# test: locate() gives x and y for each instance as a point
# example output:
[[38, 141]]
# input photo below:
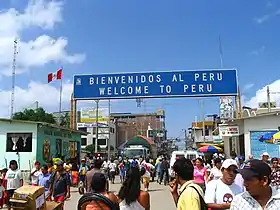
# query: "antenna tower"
[[14, 77]]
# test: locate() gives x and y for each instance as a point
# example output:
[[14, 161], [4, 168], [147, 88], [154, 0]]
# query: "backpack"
[[203, 205], [89, 197]]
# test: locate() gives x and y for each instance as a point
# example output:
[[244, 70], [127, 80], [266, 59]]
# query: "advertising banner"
[[88, 115]]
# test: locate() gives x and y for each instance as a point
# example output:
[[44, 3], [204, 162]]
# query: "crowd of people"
[[234, 183]]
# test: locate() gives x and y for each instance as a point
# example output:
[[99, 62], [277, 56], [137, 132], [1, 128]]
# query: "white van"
[[189, 154]]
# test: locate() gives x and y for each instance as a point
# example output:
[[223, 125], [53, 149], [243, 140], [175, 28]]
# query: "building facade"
[[27, 142], [151, 125], [106, 135], [247, 140]]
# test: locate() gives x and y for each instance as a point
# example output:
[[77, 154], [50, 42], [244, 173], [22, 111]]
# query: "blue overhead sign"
[[216, 82]]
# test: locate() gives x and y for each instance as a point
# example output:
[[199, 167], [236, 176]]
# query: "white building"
[[106, 134], [243, 135]]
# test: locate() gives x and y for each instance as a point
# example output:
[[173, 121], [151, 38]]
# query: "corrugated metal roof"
[[44, 124]]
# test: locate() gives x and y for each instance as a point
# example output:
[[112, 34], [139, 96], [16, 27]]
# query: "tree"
[[37, 115], [64, 120], [91, 148]]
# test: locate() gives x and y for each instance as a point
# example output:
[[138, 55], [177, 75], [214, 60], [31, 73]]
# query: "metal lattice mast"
[[13, 77]]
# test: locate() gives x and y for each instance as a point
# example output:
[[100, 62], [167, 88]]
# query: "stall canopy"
[[210, 149], [140, 140]]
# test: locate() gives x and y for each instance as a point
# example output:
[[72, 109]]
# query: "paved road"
[[160, 197]]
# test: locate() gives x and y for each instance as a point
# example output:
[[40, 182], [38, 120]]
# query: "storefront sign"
[[229, 130]]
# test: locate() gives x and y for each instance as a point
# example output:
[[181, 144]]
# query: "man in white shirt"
[[148, 167], [112, 169], [219, 193]]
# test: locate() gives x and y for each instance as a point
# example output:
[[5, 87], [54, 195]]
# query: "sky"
[[97, 36]]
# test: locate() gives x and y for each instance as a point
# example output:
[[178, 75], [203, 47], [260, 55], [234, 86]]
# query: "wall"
[[265, 123], [199, 138], [24, 158], [48, 134], [233, 142], [129, 127]]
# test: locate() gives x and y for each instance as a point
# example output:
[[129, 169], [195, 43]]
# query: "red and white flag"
[[55, 76]]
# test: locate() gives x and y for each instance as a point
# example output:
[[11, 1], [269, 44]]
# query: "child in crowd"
[[2, 190]]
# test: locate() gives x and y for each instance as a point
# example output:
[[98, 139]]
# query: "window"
[[84, 141], [83, 129], [112, 130], [19, 142], [101, 142], [58, 147]]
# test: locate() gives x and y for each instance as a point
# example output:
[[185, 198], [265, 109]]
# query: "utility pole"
[[96, 135], [203, 119], [13, 77], [109, 126]]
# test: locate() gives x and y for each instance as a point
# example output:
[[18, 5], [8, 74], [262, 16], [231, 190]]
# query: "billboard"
[[258, 147], [228, 130], [88, 115], [191, 83], [226, 107]]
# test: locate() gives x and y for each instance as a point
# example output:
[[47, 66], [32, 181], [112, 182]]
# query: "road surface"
[[159, 195]]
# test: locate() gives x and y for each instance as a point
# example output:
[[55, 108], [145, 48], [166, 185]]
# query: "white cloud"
[[267, 17], [248, 86], [258, 51], [37, 52], [40, 51], [261, 95], [46, 94]]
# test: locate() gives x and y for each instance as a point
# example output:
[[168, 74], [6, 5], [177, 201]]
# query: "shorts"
[[146, 180], [10, 194], [59, 198], [112, 174]]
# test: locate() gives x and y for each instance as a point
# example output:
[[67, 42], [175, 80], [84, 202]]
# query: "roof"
[[142, 140], [44, 124], [275, 113], [129, 114]]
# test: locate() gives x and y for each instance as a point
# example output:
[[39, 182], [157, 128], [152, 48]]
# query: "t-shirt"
[[83, 170], [112, 166], [219, 192], [149, 167], [35, 176], [198, 175], [215, 173], [13, 179]]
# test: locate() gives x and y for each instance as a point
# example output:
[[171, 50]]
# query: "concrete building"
[[106, 135], [211, 132], [243, 136], [27, 142], [151, 125]]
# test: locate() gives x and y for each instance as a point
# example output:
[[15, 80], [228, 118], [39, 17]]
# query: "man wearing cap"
[[259, 194], [219, 193], [265, 156], [59, 184]]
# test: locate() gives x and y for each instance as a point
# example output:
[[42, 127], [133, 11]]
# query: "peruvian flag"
[[55, 76]]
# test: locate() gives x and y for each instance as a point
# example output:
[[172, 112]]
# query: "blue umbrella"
[[267, 136]]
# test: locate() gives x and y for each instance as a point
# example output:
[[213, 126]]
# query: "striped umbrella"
[[211, 149]]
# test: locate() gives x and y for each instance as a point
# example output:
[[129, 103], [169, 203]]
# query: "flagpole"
[[60, 93]]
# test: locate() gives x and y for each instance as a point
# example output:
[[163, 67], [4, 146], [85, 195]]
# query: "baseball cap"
[[229, 162], [59, 163], [265, 154], [255, 168]]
